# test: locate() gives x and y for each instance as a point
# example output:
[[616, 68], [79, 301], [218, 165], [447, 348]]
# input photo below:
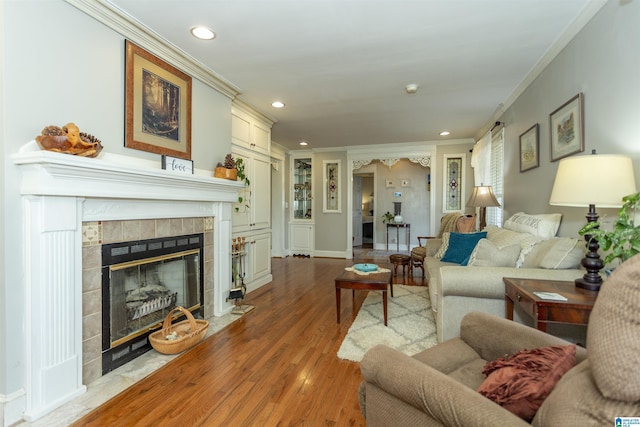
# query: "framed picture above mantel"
[[157, 105]]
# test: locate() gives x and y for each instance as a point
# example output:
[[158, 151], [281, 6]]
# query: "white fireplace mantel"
[[59, 192]]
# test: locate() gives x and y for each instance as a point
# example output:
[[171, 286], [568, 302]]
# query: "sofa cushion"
[[502, 237], [521, 382], [461, 245], [487, 254], [544, 225], [613, 334], [559, 253], [444, 246]]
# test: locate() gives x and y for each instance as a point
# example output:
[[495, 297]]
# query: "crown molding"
[[132, 29]]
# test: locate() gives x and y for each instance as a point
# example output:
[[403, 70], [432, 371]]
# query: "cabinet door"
[[261, 138], [240, 130], [302, 238], [261, 251], [260, 209]]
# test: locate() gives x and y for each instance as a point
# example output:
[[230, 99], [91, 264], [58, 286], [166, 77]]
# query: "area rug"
[[410, 329]]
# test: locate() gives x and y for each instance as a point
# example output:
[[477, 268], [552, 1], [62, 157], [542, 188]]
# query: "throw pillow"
[[557, 254], [486, 254], [444, 246], [544, 225], [521, 382], [461, 245]]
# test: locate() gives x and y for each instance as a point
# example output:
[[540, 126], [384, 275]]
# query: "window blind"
[[495, 214]]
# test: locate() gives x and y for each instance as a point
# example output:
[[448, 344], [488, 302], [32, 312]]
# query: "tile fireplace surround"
[[60, 194]]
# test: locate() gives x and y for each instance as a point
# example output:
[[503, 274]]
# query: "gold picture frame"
[[566, 125], [157, 105], [530, 149]]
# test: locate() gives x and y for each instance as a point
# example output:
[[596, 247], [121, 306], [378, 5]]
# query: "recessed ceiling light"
[[445, 133], [202, 33], [277, 104], [303, 143]]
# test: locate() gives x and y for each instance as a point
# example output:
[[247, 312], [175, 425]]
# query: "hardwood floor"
[[276, 366]]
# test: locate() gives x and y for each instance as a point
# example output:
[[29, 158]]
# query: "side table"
[[365, 282], [398, 226], [575, 310]]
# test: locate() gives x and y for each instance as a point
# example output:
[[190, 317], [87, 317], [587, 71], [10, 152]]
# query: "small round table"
[[400, 259]]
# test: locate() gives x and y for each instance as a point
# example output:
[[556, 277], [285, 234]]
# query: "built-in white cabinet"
[[251, 217], [254, 211], [249, 132], [302, 239], [257, 266], [301, 225]]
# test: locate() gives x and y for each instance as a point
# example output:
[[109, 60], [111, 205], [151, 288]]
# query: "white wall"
[[602, 62], [59, 66]]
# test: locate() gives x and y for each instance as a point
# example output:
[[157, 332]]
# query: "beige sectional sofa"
[[525, 247]]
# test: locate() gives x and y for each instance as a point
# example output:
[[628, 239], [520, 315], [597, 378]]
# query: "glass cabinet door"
[[302, 198]]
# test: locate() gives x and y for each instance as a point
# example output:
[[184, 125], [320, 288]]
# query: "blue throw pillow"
[[461, 245]]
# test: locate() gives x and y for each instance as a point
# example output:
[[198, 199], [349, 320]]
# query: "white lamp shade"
[[597, 179]]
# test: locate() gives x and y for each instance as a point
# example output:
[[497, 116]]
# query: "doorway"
[[363, 211]]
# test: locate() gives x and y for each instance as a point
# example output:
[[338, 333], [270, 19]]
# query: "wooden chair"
[[454, 221]]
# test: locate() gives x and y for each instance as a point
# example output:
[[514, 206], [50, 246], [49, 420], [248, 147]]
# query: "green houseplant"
[[623, 240], [243, 177], [387, 217]]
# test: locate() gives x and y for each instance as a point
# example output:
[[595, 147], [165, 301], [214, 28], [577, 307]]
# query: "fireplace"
[[142, 281], [65, 196]]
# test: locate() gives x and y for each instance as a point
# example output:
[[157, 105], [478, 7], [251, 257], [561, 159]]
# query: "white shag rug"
[[410, 325]]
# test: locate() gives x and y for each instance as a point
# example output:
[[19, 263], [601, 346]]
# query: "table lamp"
[[481, 197], [592, 180]]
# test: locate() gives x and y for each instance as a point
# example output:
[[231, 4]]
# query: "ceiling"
[[341, 66]]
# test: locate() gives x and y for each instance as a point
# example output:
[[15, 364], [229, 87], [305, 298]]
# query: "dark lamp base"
[[588, 285]]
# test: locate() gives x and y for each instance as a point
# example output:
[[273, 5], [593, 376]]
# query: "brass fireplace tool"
[[239, 289]]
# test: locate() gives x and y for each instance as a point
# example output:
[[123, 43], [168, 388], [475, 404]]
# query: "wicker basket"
[[188, 333]]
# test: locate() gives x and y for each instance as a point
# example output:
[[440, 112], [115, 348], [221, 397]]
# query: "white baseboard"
[[332, 254], [11, 407]]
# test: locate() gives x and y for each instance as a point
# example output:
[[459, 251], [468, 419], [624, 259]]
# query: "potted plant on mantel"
[[233, 169], [624, 239]]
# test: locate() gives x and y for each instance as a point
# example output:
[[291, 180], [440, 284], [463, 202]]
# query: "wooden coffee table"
[[367, 282], [575, 310]]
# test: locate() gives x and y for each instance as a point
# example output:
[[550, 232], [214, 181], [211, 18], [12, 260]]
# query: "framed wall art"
[[530, 149], [157, 105], [388, 183], [331, 189], [566, 126]]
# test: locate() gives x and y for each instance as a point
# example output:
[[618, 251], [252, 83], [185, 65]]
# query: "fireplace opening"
[[142, 281]]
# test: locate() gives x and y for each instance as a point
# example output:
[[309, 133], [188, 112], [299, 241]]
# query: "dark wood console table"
[[398, 226]]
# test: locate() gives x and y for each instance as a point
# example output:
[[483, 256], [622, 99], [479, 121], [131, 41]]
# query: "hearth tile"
[[92, 350], [91, 233], [208, 223], [92, 370], [131, 230], [112, 232], [188, 226], [91, 256], [91, 279], [163, 228], [177, 228], [147, 229], [208, 275], [91, 326], [91, 302]]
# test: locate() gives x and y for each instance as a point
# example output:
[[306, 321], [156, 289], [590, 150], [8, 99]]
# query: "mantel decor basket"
[[178, 337]]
